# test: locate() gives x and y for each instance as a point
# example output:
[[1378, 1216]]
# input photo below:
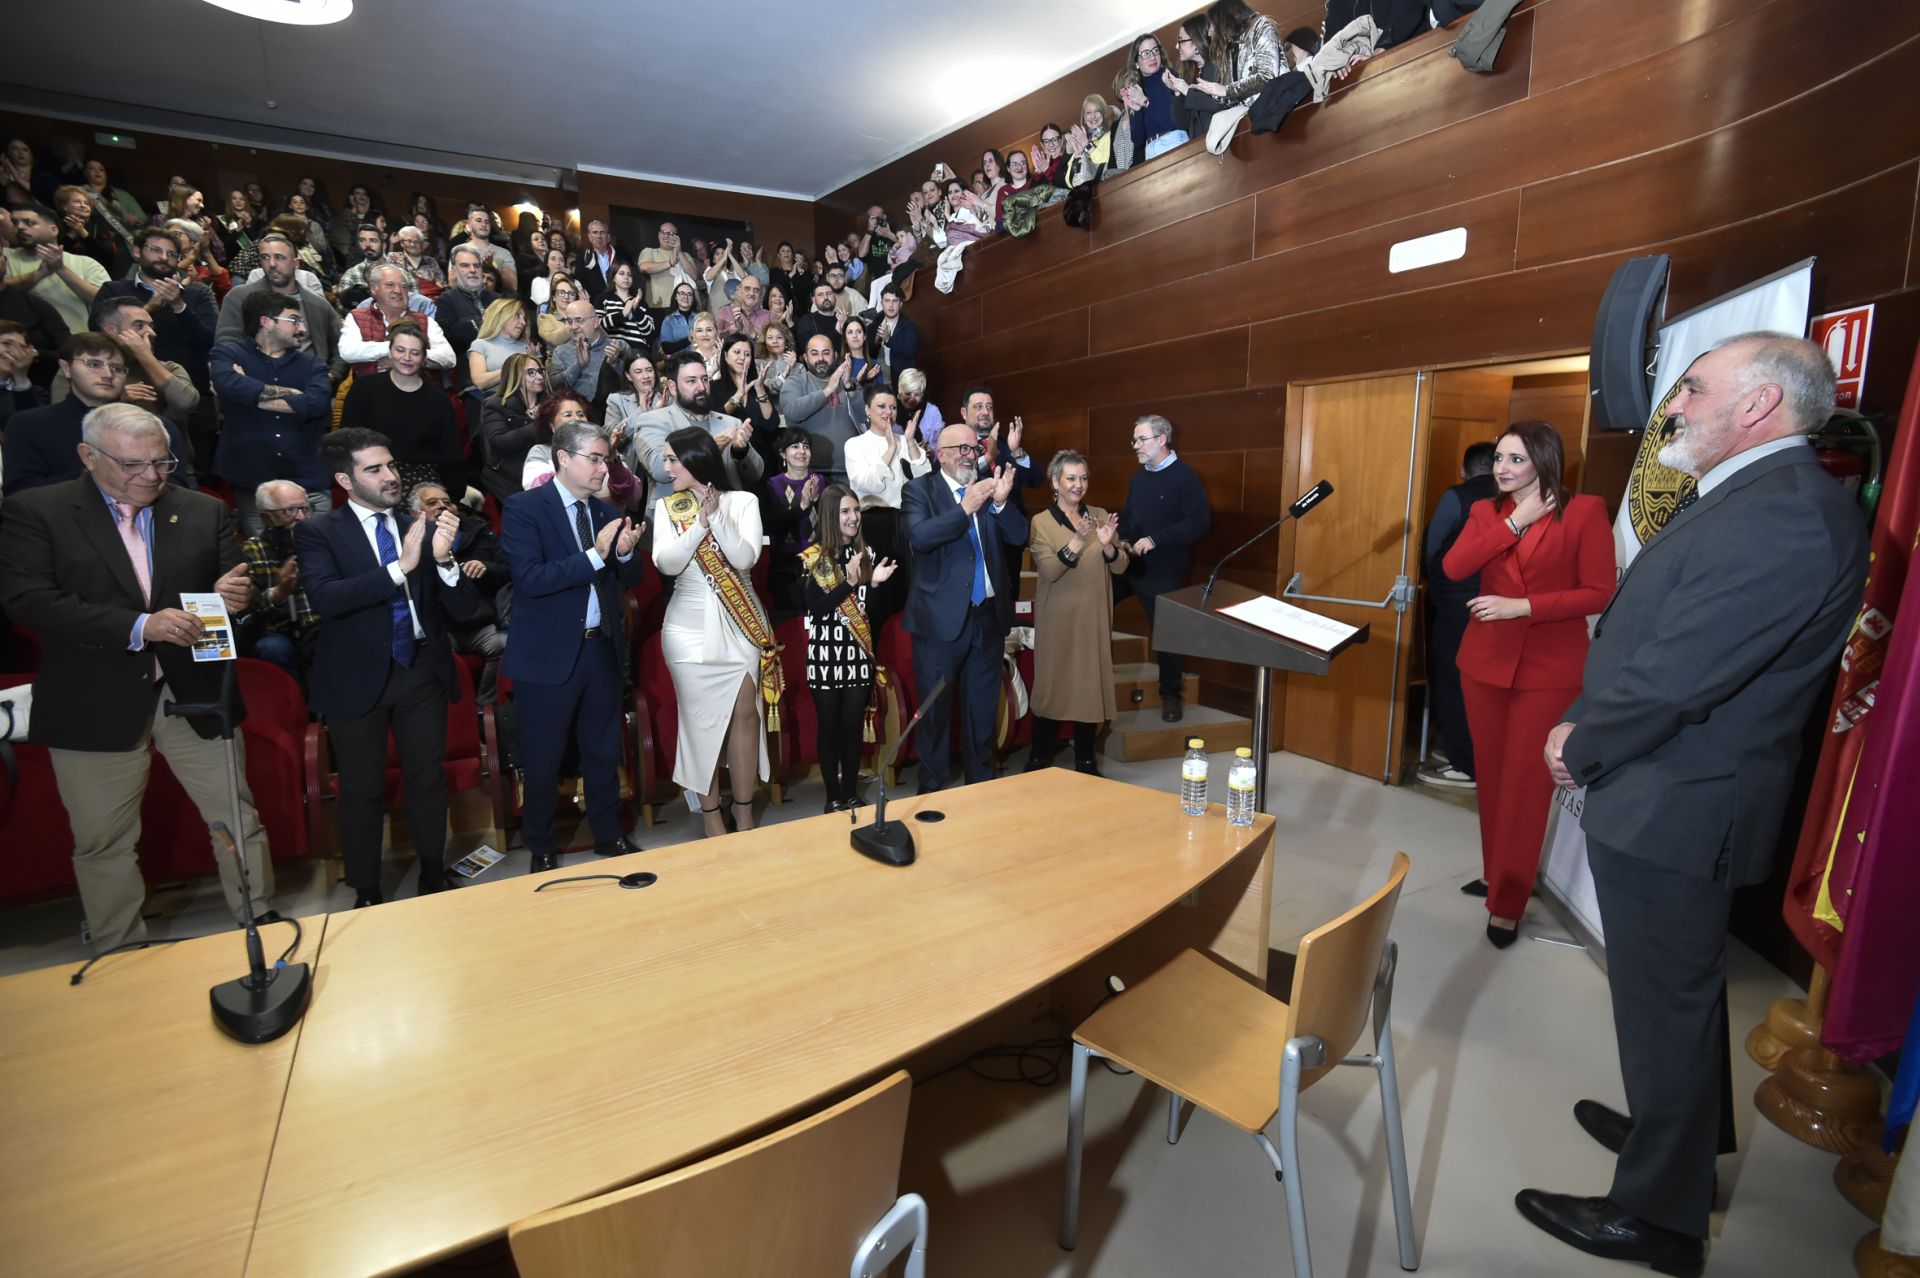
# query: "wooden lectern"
[[1189, 622]]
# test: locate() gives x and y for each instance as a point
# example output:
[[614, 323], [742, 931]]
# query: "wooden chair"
[[1209, 1037], [807, 1201]]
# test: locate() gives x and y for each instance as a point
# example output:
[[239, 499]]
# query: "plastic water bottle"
[[1240, 781], [1193, 778]]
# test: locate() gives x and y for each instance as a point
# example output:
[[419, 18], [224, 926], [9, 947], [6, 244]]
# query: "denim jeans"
[[1165, 142]]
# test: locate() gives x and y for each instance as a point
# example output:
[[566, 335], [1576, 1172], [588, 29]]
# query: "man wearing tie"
[[572, 558], [961, 528], [382, 660], [95, 565]]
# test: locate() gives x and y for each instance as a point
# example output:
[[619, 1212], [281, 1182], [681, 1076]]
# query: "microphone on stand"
[[1301, 505], [890, 842]]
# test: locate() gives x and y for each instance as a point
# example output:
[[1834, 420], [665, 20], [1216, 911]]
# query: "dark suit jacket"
[[65, 574], [1563, 567], [936, 528], [185, 338], [1706, 665], [551, 578], [353, 594], [591, 277], [43, 448]]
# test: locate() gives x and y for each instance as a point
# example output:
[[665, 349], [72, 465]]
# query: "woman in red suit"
[[1546, 564]]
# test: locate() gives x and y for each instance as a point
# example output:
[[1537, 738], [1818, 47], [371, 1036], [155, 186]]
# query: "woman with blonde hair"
[[703, 335], [503, 334], [1077, 551], [1090, 142]]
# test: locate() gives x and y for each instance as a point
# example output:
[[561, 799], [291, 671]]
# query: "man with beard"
[[35, 261], [461, 309], [184, 323], [363, 335], [825, 319], [387, 589], [373, 252], [816, 398], [42, 443], [157, 385], [480, 239], [847, 299], [279, 262], [288, 624], [1702, 672], [359, 210], [277, 402], [744, 314], [692, 406]]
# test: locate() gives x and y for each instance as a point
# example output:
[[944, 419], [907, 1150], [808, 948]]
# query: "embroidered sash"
[[826, 574], [683, 509]]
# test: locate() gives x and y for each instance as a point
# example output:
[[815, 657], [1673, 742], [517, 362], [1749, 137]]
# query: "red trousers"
[[1509, 727]]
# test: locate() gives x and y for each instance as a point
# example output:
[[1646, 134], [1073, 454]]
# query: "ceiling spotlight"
[[299, 13]]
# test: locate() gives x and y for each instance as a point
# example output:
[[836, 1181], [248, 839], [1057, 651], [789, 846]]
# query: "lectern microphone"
[[1301, 505], [891, 843]]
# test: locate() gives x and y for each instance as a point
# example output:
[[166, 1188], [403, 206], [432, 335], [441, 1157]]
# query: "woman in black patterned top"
[[836, 571]]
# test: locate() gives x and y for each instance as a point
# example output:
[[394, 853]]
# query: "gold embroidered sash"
[[826, 574], [683, 509]]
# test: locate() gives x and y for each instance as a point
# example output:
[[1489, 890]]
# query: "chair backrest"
[[463, 724], [272, 695], [1333, 977], [795, 1203]]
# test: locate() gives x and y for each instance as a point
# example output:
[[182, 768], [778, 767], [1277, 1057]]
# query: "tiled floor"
[[1494, 1047]]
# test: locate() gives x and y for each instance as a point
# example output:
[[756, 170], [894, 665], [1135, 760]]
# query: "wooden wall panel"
[[1224, 419], [1764, 58], [1205, 243], [1166, 371], [1468, 407], [1731, 174], [1350, 268], [1574, 41], [1041, 342]]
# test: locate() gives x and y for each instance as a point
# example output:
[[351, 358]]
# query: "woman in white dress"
[[716, 637]]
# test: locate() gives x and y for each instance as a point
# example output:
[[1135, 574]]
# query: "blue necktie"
[[402, 615], [979, 559]]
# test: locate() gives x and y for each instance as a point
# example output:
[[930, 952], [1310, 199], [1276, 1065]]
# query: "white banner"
[[1779, 303]]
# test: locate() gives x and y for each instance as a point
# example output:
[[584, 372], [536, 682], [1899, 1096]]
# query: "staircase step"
[[1131, 649], [1143, 678], [1141, 734]]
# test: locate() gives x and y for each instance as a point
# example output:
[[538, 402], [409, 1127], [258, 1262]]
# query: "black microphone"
[[267, 1002], [1301, 505], [891, 843]]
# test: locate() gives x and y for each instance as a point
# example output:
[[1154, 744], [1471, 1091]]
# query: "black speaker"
[[1625, 333]]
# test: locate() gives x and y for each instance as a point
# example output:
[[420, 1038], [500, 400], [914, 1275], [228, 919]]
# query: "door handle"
[[1400, 598]]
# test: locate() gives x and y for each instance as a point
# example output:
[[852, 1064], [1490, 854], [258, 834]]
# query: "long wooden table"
[[477, 1056]]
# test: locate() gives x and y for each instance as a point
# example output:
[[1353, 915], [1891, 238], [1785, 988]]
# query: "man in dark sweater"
[[1447, 618], [1165, 514]]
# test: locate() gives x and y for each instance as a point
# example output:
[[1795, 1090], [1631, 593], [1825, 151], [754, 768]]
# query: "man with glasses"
[[664, 267], [157, 385], [573, 557], [288, 625], [279, 273], [277, 401], [960, 605], [43, 443], [1165, 514], [81, 565], [184, 316], [386, 588], [578, 365]]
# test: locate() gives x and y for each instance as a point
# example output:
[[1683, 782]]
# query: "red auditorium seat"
[[656, 727]]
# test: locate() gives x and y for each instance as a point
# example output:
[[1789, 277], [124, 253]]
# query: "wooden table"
[[136, 1135], [474, 1057]]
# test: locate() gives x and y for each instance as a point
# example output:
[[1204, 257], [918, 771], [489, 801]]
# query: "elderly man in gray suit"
[[1701, 676]]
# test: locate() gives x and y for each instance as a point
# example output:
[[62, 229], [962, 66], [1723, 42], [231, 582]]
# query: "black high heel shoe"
[[1502, 937], [1474, 887]]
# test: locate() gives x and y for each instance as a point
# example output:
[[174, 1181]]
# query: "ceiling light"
[[299, 13]]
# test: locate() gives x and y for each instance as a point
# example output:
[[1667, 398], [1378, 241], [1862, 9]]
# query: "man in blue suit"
[[962, 529], [382, 660], [573, 557]]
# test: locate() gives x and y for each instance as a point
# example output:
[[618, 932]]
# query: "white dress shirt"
[[959, 490], [1727, 469], [449, 574], [874, 480]]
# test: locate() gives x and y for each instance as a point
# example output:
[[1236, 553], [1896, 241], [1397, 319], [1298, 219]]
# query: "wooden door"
[[1369, 438]]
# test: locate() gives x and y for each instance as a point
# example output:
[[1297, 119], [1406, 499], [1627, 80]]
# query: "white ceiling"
[[755, 95]]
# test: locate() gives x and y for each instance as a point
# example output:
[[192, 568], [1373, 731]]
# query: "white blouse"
[[875, 481]]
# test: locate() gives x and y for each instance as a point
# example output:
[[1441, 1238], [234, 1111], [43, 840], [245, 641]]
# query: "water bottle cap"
[[1195, 743], [1244, 752]]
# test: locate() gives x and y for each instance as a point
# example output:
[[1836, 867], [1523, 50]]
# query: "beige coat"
[[1073, 623]]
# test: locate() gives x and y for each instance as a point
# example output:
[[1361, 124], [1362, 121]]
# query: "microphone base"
[[260, 1014], [888, 842]]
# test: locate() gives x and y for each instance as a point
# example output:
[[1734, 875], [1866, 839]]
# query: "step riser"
[[1149, 690], [1170, 740]]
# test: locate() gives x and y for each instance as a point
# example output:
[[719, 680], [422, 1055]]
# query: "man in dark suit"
[[1701, 676], [42, 443], [382, 661], [960, 527], [598, 259], [899, 335], [1447, 617], [96, 565], [573, 556]]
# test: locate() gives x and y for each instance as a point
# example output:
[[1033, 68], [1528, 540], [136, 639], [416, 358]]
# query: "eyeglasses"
[[1141, 441], [1053, 140], [291, 512], [1152, 48], [964, 450], [597, 460], [165, 466], [102, 366], [289, 319]]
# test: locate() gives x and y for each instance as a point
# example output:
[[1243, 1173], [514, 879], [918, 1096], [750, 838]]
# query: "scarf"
[[683, 510]]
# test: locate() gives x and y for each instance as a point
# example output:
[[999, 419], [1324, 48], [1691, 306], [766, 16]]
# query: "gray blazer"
[[648, 447], [323, 322], [1705, 666]]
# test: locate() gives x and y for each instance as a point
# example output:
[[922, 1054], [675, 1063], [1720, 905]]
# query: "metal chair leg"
[[1290, 1069], [1396, 1153], [1076, 1140], [1173, 1118]]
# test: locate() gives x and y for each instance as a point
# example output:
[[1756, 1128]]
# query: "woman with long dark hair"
[[676, 330], [880, 461], [623, 309], [716, 636], [737, 392], [836, 572], [1545, 562]]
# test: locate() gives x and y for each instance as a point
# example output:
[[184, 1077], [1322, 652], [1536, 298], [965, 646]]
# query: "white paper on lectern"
[[1309, 629]]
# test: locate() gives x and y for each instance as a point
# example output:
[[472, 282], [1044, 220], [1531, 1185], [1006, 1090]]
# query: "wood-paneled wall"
[[1735, 137]]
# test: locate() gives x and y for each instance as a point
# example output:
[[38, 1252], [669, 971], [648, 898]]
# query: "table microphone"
[[1301, 505], [890, 842], [267, 1002]]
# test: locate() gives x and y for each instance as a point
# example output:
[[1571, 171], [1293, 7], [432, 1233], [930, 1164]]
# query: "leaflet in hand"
[[1309, 629], [216, 640]]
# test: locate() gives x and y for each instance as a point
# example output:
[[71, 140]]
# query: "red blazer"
[[1563, 567]]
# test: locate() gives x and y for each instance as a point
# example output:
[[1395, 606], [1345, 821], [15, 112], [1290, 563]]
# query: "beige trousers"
[[102, 790]]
